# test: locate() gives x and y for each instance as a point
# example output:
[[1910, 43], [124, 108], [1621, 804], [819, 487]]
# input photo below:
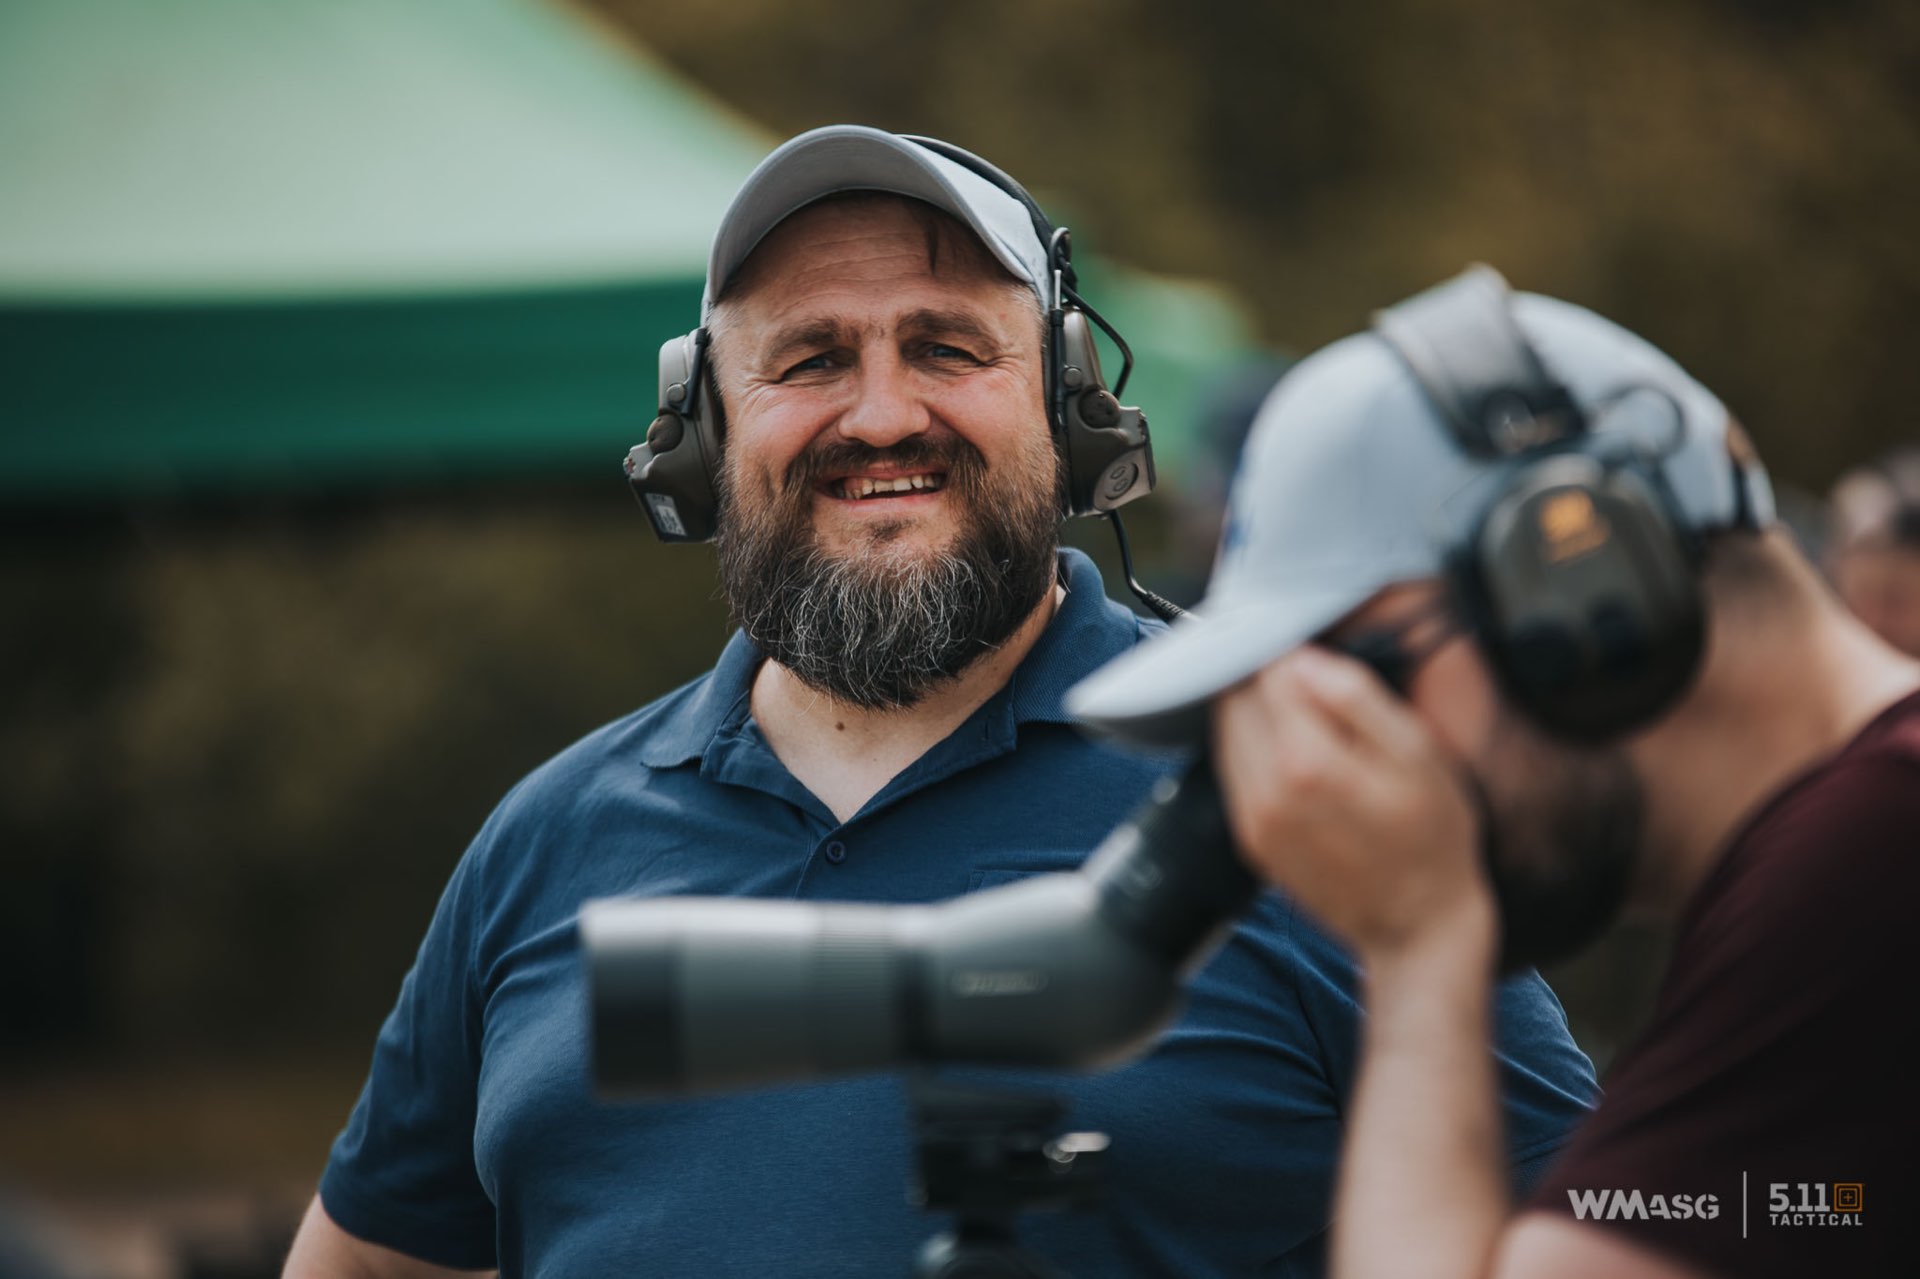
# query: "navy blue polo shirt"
[[477, 1141]]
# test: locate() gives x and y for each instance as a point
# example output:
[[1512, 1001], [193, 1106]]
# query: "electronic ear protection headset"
[[1579, 573], [1105, 445], [672, 471]]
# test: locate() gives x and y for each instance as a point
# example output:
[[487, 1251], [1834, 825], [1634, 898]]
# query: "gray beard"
[[882, 642], [882, 632]]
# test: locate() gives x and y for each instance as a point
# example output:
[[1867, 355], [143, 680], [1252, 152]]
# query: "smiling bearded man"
[[877, 624], [884, 324]]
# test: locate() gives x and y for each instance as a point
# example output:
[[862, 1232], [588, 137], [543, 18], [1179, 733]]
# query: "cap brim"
[[1157, 693], [856, 158]]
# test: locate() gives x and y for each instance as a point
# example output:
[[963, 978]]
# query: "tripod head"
[[986, 1156]]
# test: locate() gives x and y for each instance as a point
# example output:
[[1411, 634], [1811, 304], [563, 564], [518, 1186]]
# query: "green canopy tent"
[[251, 247]]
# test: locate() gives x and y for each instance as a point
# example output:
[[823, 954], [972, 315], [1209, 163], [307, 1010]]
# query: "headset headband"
[[1055, 238], [1460, 341]]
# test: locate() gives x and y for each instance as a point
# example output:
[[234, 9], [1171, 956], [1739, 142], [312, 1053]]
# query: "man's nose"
[[886, 407]]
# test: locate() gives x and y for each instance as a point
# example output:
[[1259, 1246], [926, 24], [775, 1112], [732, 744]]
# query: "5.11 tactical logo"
[[1811, 1206]]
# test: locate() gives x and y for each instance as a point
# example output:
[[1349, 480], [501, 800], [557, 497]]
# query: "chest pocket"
[[994, 876]]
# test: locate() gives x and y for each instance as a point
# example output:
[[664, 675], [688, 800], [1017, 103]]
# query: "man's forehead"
[[826, 324], [851, 233]]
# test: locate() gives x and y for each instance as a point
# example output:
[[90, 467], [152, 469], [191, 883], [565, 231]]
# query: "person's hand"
[[1338, 793]]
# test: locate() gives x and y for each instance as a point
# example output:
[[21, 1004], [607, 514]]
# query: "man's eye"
[[812, 364], [941, 351]]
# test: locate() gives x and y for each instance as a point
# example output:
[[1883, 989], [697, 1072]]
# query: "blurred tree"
[[1737, 180], [70, 648], [243, 748]]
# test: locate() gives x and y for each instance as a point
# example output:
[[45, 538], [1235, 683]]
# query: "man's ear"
[[1740, 445]]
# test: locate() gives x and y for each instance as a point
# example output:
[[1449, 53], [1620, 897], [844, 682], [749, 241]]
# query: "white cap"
[[852, 157], [1351, 481]]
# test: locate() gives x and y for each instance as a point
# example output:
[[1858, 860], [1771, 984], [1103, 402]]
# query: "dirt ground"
[[171, 1171]]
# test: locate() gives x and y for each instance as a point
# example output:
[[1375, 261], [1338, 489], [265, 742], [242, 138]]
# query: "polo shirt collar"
[[1086, 632], [714, 705]]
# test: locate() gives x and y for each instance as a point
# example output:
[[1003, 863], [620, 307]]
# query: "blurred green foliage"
[[243, 748]]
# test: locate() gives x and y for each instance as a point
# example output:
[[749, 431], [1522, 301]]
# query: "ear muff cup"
[[1583, 596], [1108, 453], [674, 471]]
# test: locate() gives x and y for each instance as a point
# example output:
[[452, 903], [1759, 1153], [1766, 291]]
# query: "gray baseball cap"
[[852, 157], [1351, 481]]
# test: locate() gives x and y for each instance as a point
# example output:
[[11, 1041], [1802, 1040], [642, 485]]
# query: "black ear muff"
[[1583, 597], [672, 471], [1578, 578], [1109, 456]]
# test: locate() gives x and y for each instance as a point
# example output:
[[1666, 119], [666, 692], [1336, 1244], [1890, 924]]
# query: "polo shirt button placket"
[[836, 851]]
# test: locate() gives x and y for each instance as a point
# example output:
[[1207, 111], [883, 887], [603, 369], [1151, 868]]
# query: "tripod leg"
[[980, 1249]]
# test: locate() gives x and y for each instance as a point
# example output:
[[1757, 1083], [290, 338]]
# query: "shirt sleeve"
[[1546, 1083], [402, 1173]]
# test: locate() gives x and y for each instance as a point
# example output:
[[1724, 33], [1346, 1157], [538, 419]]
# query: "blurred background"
[[325, 323]]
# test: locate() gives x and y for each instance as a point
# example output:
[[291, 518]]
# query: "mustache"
[[956, 456]]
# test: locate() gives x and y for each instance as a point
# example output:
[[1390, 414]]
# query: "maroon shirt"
[[1778, 1071]]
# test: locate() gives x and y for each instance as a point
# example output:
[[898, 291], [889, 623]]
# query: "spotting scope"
[[1074, 970]]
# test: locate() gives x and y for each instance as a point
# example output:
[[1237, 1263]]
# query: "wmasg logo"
[[1620, 1205]]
